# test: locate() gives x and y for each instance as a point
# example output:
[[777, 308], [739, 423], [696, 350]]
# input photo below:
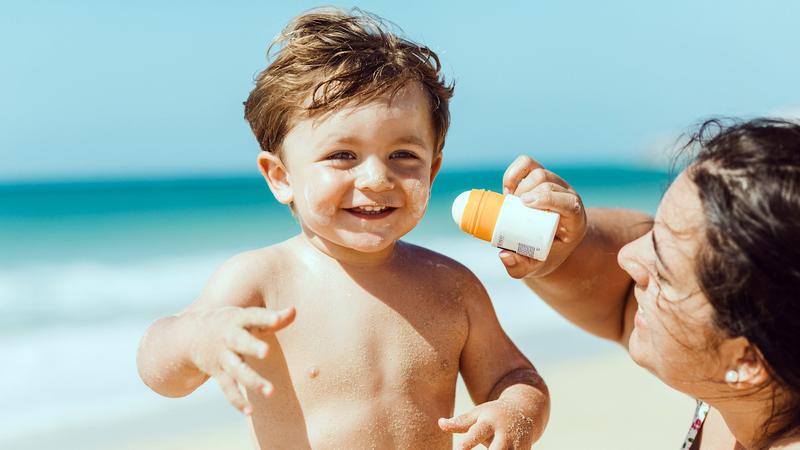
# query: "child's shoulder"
[[241, 279], [449, 278], [258, 262], [445, 270]]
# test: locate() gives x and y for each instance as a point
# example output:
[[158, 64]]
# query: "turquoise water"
[[125, 220]]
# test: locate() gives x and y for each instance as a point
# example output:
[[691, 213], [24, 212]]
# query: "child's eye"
[[403, 154], [343, 155]]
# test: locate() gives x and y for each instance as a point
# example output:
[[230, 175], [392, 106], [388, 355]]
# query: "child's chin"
[[369, 243], [373, 247]]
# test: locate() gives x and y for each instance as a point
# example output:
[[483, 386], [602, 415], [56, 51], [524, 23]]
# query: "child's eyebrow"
[[343, 139], [410, 139]]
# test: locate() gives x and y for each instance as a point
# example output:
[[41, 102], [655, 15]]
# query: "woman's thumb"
[[516, 266]]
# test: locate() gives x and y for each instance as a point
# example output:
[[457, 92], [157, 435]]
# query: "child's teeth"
[[372, 208]]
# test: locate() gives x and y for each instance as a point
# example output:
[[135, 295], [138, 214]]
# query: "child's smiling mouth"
[[371, 212]]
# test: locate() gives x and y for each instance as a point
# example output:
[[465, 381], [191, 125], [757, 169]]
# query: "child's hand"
[[222, 341], [541, 189], [496, 424]]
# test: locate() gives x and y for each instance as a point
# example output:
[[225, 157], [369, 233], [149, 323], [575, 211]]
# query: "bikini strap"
[[700, 414]]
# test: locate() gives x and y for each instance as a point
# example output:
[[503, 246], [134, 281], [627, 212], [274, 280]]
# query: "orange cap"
[[480, 213]]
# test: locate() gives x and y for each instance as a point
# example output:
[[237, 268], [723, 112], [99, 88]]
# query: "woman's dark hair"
[[748, 177]]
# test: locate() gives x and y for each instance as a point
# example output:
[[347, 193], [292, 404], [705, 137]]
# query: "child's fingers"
[[263, 318], [459, 424], [499, 441], [244, 343], [479, 432], [244, 374], [518, 266], [516, 171], [233, 394]]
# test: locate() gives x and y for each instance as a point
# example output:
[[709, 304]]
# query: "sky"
[[105, 89]]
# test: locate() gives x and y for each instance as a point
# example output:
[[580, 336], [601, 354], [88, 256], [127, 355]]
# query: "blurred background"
[[127, 175]]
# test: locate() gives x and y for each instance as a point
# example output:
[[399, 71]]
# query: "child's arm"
[[513, 403], [179, 353]]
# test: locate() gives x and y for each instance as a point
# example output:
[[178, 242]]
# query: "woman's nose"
[[373, 175], [631, 258]]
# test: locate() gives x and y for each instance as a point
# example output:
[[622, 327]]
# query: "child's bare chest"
[[365, 357], [368, 339]]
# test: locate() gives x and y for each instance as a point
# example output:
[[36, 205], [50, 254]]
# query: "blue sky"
[[130, 89]]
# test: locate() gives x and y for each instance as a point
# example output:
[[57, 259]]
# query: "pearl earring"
[[731, 376]]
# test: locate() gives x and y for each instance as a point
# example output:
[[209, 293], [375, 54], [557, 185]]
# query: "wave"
[[89, 291]]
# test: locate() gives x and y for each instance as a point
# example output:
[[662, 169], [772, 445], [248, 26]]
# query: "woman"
[[707, 295]]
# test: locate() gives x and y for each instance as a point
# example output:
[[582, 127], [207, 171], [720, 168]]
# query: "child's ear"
[[435, 166], [277, 177]]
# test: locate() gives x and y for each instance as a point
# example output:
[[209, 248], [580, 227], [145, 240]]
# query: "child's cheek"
[[418, 195], [322, 197]]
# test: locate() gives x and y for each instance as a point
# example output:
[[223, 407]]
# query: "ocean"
[[85, 266]]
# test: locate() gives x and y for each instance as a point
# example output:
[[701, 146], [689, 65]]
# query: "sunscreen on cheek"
[[506, 222]]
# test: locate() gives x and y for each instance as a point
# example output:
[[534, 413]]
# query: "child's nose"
[[373, 176]]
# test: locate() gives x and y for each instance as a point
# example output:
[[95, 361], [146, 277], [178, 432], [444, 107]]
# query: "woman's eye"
[[341, 156], [403, 154]]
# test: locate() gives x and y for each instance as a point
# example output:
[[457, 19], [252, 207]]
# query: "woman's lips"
[[639, 319]]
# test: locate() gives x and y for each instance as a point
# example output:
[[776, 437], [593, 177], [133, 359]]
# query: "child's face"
[[360, 176]]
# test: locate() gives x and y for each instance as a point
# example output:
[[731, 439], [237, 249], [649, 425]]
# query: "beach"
[[87, 266], [600, 400]]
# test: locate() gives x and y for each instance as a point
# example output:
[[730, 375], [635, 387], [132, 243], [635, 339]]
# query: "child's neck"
[[348, 256]]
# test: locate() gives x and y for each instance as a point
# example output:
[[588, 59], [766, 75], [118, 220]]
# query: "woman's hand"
[[541, 189], [223, 339]]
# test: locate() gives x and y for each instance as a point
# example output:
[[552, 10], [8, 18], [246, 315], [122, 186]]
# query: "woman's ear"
[[277, 177], [435, 166], [748, 369]]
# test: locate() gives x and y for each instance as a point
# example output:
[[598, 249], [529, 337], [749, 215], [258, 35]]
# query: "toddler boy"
[[344, 336]]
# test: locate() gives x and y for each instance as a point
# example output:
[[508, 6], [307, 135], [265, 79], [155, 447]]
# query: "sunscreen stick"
[[506, 222]]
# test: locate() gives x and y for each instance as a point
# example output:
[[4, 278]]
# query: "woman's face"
[[674, 336]]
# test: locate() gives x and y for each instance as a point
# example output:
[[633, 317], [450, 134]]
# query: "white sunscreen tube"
[[506, 222]]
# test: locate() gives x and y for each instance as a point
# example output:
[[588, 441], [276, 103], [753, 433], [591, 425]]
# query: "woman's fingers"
[[535, 176], [479, 432], [553, 198], [233, 394], [244, 343], [266, 319], [518, 266], [516, 171], [244, 374], [567, 204], [531, 181]]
